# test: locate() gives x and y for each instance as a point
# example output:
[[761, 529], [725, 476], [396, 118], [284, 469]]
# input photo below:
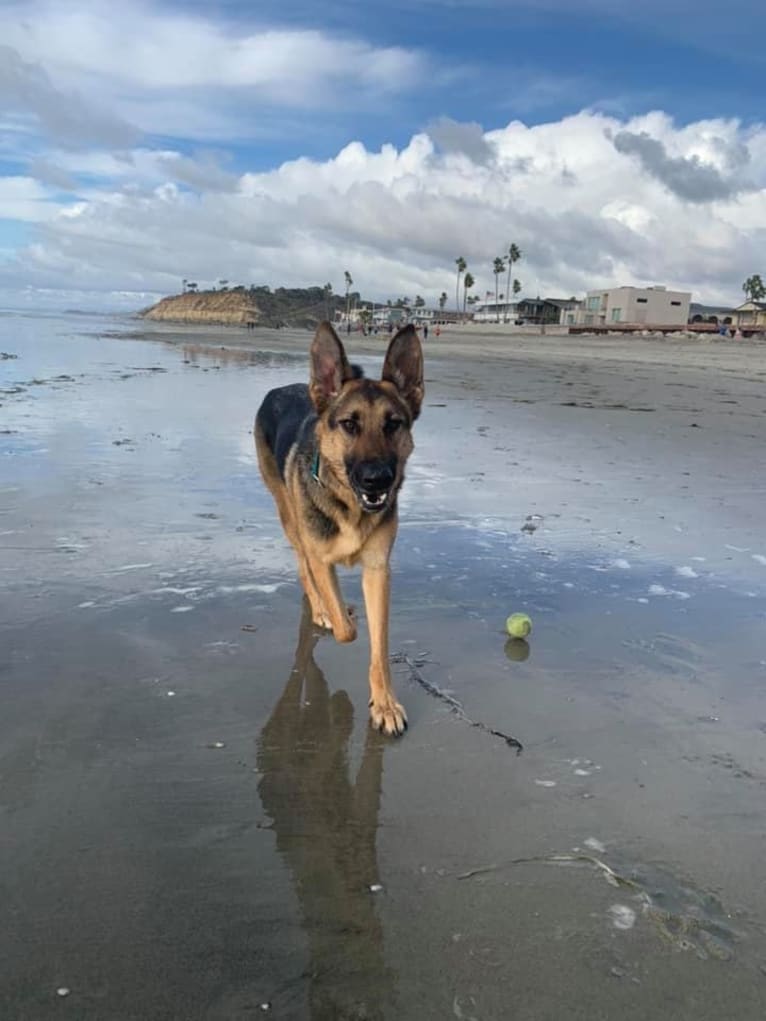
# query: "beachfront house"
[[383, 316], [545, 311], [422, 316], [568, 310], [751, 314], [491, 311], [649, 306], [533, 311]]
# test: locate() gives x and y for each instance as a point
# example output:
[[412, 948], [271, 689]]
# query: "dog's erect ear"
[[404, 367], [329, 367]]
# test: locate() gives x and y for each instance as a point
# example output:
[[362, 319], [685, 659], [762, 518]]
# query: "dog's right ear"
[[329, 367]]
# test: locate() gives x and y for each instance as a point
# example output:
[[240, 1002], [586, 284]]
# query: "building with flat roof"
[[544, 311], [491, 311], [650, 306], [538, 311]]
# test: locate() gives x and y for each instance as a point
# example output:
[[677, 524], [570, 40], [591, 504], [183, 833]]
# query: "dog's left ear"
[[404, 367], [329, 367]]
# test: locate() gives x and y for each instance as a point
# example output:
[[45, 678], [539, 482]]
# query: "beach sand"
[[195, 820]]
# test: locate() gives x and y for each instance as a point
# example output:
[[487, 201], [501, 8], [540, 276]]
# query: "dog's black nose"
[[375, 476]]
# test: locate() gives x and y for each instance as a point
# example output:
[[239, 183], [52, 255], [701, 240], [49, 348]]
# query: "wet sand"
[[195, 820]]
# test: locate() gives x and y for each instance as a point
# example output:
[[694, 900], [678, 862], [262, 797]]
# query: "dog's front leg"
[[386, 713], [341, 617]]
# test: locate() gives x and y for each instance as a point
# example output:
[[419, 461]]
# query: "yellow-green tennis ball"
[[518, 625]]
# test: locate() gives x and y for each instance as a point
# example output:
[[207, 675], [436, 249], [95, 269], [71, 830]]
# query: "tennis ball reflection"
[[517, 649]]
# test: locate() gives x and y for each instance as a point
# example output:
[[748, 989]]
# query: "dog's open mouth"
[[373, 501]]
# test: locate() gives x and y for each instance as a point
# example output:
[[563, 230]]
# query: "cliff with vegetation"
[[259, 306], [222, 308]]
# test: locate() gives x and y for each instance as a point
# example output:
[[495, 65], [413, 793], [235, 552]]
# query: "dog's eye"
[[392, 424], [350, 426]]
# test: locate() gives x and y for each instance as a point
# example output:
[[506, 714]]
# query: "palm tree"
[[327, 289], [419, 302], [754, 288], [349, 282], [498, 266], [514, 254], [468, 282], [442, 300], [461, 268]]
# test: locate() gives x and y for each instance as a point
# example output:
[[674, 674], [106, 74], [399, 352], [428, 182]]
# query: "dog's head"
[[364, 429]]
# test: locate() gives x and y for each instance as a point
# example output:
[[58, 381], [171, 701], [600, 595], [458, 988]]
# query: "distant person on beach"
[[425, 331], [438, 331]]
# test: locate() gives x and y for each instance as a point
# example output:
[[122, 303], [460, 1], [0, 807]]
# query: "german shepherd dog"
[[333, 454]]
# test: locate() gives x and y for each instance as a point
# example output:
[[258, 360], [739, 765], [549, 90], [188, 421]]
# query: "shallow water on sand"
[[195, 820]]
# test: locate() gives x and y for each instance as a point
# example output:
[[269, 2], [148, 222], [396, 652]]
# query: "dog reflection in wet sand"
[[326, 827]]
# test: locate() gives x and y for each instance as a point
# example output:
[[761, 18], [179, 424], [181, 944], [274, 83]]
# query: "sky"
[[614, 142]]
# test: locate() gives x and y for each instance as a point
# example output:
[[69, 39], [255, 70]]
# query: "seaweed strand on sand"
[[413, 666]]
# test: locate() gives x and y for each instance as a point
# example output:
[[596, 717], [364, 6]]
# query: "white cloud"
[[23, 198], [183, 75], [37, 299], [584, 214], [151, 48], [26, 90]]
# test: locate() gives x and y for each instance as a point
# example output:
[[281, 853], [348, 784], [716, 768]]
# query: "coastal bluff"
[[251, 306], [220, 308]]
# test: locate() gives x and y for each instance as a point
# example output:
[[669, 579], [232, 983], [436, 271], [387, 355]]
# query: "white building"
[[491, 311], [653, 306], [382, 315]]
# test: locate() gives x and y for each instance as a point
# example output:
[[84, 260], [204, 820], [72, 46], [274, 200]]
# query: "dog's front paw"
[[322, 619], [388, 716], [347, 630]]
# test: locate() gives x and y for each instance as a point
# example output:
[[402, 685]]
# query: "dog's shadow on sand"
[[325, 825]]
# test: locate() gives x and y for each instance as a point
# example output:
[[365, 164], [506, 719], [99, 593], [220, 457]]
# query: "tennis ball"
[[518, 625]]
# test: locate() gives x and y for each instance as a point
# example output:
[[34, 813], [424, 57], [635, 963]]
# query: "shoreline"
[[473, 343]]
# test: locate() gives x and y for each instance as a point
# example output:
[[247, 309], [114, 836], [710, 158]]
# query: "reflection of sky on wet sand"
[[141, 557], [107, 427]]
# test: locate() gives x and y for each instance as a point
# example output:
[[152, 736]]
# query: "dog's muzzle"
[[373, 482]]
